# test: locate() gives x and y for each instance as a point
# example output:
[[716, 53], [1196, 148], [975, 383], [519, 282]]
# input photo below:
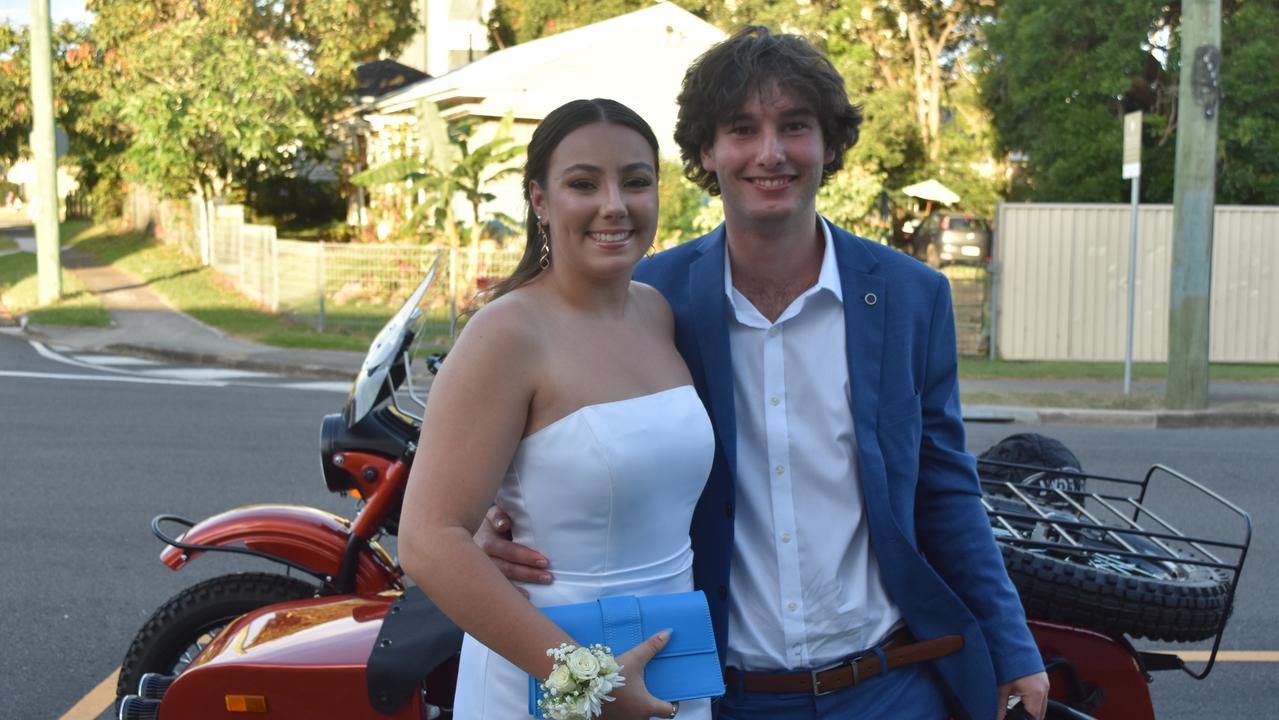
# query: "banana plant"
[[447, 165]]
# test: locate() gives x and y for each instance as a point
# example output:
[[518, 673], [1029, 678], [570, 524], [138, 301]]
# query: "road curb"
[[1217, 418], [1090, 416], [1154, 419]]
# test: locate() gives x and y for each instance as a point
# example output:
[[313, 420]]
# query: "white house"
[[638, 59]]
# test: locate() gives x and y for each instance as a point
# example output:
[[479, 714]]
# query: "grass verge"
[[204, 294], [982, 369], [7, 243], [20, 292]]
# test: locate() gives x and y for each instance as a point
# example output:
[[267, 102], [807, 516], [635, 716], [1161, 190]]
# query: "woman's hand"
[[632, 701]]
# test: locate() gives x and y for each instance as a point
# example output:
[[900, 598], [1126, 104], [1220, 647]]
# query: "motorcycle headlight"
[[335, 476]]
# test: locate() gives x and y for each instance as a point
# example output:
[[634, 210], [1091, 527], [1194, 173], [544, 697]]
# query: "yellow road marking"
[[98, 699], [1231, 656]]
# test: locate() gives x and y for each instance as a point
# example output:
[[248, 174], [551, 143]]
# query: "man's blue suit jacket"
[[928, 529]]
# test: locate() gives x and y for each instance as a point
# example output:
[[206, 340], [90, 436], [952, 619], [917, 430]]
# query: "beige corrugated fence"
[[1062, 282]]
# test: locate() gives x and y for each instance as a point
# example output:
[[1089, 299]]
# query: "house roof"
[[380, 77], [638, 58]]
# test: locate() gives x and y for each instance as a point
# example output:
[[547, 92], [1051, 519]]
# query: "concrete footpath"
[[144, 324]]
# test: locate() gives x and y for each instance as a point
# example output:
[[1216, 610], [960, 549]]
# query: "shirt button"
[[775, 401], [785, 537], [791, 607], [772, 332], [780, 469]]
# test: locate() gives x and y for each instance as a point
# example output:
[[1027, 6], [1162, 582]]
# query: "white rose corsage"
[[580, 682]]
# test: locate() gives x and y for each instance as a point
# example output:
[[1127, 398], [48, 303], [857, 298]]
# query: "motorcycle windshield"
[[376, 381]]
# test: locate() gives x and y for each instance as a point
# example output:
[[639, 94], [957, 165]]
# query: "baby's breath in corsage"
[[580, 682]]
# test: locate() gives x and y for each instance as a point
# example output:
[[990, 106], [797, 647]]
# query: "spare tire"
[[1042, 455], [1161, 599], [1189, 602]]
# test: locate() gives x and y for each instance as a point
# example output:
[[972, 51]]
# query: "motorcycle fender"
[[309, 537], [1101, 663]]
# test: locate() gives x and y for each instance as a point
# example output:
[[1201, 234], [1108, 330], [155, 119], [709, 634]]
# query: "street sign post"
[[1132, 172]]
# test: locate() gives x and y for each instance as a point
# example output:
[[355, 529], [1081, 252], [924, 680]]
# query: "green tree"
[[1058, 78], [211, 96], [447, 165], [15, 92], [202, 104], [95, 140], [326, 38], [1248, 130]]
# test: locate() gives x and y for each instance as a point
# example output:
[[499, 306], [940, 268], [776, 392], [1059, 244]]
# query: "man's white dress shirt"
[[806, 589]]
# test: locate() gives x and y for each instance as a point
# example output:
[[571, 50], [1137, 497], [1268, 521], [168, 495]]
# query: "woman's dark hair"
[[554, 128], [718, 83]]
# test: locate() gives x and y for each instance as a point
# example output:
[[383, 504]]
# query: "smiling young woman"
[[566, 402]]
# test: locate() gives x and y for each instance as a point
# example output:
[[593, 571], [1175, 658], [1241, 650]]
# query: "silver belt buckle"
[[817, 684]]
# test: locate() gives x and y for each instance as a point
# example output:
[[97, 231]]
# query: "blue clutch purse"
[[687, 668]]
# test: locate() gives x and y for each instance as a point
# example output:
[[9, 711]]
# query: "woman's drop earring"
[[543, 258]]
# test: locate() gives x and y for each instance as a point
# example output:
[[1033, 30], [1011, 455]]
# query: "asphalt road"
[[85, 464]]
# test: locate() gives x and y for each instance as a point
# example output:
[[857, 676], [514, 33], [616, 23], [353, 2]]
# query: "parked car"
[[944, 238]]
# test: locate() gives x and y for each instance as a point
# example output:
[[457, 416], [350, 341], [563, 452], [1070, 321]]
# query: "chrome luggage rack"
[[1064, 512]]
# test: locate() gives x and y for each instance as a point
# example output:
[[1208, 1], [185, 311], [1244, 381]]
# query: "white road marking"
[[48, 354], [109, 378], [188, 376], [322, 385], [201, 373]]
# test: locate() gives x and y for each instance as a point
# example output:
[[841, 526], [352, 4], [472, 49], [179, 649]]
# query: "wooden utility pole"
[[43, 151], [1194, 195]]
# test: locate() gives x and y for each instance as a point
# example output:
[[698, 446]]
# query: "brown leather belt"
[[899, 650]]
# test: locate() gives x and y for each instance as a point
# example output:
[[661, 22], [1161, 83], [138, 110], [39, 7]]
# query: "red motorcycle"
[[1093, 559], [332, 567]]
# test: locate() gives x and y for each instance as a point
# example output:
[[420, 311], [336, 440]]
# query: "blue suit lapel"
[[864, 319], [863, 325], [706, 289]]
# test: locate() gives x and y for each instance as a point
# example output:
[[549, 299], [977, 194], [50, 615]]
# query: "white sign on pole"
[[1132, 172], [1132, 145]]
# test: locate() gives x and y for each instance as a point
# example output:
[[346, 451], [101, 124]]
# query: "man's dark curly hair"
[[719, 82]]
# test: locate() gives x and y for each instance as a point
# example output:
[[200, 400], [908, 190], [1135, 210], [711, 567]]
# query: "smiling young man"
[[843, 504], [841, 529]]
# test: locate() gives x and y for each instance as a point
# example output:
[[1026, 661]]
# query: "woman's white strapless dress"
[[607, 494]]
